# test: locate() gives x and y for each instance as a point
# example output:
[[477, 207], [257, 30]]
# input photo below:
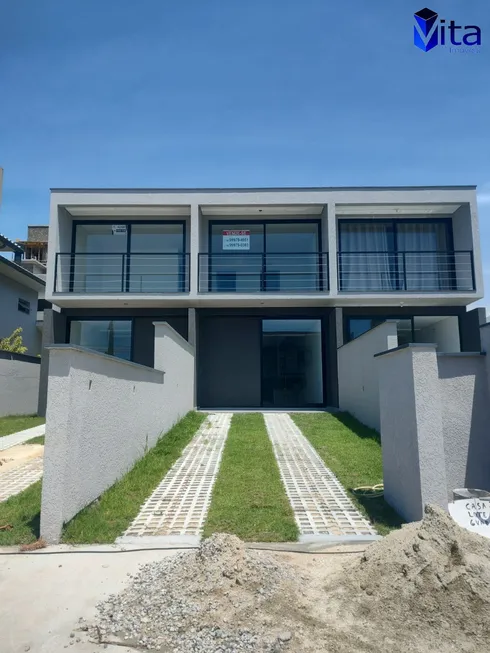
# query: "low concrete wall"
[[435, 411], [411, 430], [103, 414], [465, 416], [358, 372], [19, 384]]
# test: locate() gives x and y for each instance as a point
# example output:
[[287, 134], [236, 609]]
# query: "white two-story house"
[[265, 283]]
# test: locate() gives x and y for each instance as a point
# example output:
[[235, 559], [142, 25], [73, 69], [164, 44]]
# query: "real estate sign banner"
[[236, 239]]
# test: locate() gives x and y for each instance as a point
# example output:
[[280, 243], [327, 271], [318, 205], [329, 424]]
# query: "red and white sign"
[[236, 239]]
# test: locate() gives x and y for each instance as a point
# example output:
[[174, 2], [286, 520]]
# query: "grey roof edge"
[[15, 246], [22, 270], [254, 189]]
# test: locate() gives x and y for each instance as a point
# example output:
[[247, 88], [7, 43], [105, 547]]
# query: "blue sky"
[[228, 93]]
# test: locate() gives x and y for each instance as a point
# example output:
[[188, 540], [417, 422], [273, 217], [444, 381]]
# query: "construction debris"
[[423, 588]]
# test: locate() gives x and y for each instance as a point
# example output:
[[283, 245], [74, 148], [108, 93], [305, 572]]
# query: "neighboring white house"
[[19, 294]]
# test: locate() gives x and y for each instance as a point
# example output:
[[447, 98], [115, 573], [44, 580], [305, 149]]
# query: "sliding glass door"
[[393, 255], [137, 257], [292, 370], [268, 256]]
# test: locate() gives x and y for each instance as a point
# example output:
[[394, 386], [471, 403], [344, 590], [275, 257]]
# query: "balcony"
[[121, 273], [421, 272], [296, 273]]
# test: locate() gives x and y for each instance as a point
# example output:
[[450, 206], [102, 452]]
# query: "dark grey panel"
[[229, 362], [469, 329]]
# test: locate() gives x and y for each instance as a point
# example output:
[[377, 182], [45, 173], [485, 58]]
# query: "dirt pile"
[[427, 584], [425, 588]]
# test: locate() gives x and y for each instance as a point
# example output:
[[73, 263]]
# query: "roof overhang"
[[17, 273]]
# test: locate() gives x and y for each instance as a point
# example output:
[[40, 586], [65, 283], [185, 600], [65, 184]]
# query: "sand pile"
[[428, 584], [425, 588]]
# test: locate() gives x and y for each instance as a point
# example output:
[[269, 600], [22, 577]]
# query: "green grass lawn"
[[22, 512], [353, 452], [14, 423], [38, 440], [249, 499], [109, 516]]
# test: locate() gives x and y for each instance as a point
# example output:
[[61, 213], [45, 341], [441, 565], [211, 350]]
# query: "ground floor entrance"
[[270, 360]]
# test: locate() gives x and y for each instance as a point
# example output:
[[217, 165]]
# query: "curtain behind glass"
[[367, 257], [427, 265]]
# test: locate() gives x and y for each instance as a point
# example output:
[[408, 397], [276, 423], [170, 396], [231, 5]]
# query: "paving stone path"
[[19, 478], [320, 503], [7, 441], [180, 503]]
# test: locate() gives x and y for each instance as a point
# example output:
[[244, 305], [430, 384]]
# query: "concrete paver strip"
[[11, 440], [19, 478], [320, 503], [180, 503]]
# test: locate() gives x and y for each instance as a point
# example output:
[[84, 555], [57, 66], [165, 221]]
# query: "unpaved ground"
[[425, 588], [18, 455]]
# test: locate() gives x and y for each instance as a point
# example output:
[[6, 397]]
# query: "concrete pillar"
[[332, 249], [193, 318], [485, 348], [194, 249], [54, 331], [414, 469]]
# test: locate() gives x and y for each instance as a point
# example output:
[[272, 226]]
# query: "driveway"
[[44, 595]]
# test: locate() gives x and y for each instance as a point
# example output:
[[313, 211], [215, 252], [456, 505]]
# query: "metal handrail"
[[295, 276], [450, 271], [166, 272]]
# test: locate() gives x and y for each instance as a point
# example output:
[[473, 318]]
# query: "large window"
[[111, 337], [443, 330], [390, 255], [129, 257], [269, 256]]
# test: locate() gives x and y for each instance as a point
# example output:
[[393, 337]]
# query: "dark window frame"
[[264, 222], [101, 318], [393, 222], [323, 346], [129, 224]]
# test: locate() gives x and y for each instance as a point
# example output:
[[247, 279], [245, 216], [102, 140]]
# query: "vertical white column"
[[194, 249], [332, 248]]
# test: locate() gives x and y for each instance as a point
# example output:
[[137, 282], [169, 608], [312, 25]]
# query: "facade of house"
[[19, 293], [267, 284], [35, 249]]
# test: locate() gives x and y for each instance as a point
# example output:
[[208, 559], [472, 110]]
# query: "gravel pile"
[[424, 588], [220, 597]]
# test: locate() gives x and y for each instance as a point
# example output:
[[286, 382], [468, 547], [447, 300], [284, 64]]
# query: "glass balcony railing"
[[435, 272], [264, 272], [121, 273]]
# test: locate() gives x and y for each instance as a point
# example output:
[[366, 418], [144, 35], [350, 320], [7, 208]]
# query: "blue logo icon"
[[430, 30], [425, 34]]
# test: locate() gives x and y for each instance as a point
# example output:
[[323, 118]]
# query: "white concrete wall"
[[19, 387], [358, 372], [444, 333], [465, 417], [176, 356], [103, 414], [411, 430], [435, 411]]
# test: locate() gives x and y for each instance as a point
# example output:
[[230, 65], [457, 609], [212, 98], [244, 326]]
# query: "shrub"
[[13, 342]]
